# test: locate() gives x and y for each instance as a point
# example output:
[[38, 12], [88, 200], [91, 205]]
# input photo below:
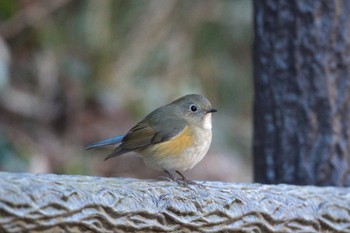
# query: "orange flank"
[[176, 145]]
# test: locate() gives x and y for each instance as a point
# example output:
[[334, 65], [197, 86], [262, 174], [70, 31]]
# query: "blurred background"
[[75, 72]]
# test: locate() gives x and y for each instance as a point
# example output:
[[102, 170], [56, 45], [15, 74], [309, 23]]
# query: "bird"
[[173, 137]]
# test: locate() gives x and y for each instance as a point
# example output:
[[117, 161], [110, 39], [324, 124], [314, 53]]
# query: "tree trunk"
[[64, 203], [302, 92]]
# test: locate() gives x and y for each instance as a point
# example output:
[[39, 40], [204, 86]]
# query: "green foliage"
[[7, 9]]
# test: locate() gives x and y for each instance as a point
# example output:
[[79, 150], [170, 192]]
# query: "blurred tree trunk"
[[302, 92]]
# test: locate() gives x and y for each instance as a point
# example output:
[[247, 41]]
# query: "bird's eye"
[[193, 108]]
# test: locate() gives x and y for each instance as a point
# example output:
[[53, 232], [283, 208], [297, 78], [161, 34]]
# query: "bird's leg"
[[185, 180], [170, 175], [170, 178]]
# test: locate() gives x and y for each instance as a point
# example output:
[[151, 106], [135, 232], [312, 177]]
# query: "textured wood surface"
[[65, 203]]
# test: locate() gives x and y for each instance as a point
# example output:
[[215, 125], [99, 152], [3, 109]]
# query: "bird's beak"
[[212, 110]]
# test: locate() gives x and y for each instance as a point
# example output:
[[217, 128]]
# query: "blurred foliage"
[[73, 72], [8, 8]]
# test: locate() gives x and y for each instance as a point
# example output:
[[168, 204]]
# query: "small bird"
[[174, 137]]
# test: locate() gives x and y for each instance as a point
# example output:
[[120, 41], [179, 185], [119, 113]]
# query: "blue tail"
[[106, 142]]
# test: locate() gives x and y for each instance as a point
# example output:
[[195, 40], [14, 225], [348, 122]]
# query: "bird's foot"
[[164, 178], [185, 181]]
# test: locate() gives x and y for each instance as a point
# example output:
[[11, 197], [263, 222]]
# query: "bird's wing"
[[148, 132]]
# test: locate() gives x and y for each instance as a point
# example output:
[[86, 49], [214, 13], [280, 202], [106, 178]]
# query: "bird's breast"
[[181, 152]]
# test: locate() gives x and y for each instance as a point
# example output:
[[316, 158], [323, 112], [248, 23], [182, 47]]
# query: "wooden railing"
[[67, 203]]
